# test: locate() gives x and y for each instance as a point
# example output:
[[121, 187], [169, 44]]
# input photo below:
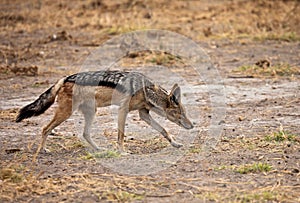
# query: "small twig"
[[4, 56], [159, 195], [190, 185], [240, 76]]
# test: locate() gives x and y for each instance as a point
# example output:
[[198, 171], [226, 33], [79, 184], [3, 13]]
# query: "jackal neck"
[[156, 96]]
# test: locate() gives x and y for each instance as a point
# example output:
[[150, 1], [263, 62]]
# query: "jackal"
[[85, 91]]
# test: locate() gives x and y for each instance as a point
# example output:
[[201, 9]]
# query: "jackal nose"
[[188, 125], [191, 126]]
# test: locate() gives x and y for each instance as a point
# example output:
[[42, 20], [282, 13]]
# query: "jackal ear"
[[175, 94]]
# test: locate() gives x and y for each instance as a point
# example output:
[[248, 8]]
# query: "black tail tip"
[[26, 112], [19, 119], [22, 114]]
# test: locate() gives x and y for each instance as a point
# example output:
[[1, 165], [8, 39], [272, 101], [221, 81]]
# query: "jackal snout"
[[175, 111], [179, 118]]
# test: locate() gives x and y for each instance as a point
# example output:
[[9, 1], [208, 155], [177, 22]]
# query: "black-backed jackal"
[[86, 91]]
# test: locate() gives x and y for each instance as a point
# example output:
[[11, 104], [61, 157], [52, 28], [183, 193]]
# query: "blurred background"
[[58, 33]]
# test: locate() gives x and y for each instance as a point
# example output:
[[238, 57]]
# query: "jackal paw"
[[96, 148], [123, 151], [176, 144]]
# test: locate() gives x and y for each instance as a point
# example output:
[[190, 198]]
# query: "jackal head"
[[175, 111]]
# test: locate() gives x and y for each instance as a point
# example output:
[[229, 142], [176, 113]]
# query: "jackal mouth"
[[185, 123]]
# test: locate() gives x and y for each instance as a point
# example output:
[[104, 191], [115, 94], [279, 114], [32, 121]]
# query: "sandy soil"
[[257, 155]]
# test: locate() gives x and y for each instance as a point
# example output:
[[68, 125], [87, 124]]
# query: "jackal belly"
[[98, 96]]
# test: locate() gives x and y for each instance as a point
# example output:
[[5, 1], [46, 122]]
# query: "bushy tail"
[[40, 105]]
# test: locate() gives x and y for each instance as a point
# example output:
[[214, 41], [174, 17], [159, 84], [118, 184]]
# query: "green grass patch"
[[195, 150], [120, 196], [101, 155], [87, 156], [254, 168], [258, 197], [281, 136], [107, 154], [123, 196], [76, 145], [13, 175], [243, 197]]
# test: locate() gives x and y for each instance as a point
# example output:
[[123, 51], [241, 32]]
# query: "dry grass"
[[237, 18], [112, 187], [262, 194], [52, 23], [277, 70], [21, 179]]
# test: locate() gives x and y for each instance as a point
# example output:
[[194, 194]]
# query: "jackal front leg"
[[144, 115], [122, 114]]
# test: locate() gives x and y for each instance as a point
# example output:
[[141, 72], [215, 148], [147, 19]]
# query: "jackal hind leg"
[[62, 113], [145, 116], [89, 110]]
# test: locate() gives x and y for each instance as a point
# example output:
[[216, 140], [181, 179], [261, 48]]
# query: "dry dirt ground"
[[257, 156]]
